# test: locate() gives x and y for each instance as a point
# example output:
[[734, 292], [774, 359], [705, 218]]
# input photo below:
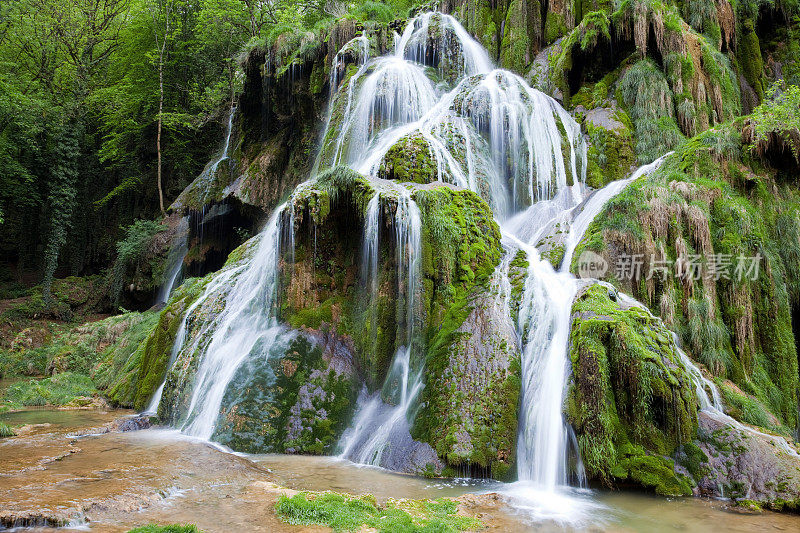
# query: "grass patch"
[[343, 512], [6, 431], [57, 390]]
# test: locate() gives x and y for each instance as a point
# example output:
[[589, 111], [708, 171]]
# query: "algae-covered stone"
[[297, 399], [630, 400], [410, 159]]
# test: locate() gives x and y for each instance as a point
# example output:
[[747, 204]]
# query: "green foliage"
[[131, 251], [172, 528], [342, 512], [649, 99], [56, 390], [779, 116], [713, 198], [6, 431]]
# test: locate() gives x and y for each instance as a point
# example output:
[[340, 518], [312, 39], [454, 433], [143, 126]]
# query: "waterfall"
[[544, 324], [487, 130], [177, 253], [380, 432], [246, 325], [225, 147]]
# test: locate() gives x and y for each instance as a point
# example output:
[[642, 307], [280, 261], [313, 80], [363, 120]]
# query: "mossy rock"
[[711, 199], [630, 400], [157, 348], [409, 160]]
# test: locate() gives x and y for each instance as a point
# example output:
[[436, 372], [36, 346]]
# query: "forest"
[[536, 261]]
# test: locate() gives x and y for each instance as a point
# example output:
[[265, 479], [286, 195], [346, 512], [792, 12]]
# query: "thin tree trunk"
[[158, 135]]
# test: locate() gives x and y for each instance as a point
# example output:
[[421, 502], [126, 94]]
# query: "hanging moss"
[[521, 35], [749, 55], [710, 200], [630, 400]]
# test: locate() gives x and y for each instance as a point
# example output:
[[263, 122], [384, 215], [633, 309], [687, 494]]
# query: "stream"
[[61, 467]]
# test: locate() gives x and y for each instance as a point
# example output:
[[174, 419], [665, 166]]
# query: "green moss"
[[610, 154], [555, 27], [651, 471], [289, 401], [630, 400], [56, 390], [152, 356], [461, 248], [520, 33], [409, 160], [108, 351], [343, 512], [712, 198]]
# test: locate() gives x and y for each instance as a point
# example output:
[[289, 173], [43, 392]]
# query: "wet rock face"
[[478, 389], [745, 466], [295, 401]]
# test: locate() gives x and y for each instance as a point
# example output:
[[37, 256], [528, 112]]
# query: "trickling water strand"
[[369, 265], [218, 283], [177, 254], [708, 396], [380, 432], [339, 66]]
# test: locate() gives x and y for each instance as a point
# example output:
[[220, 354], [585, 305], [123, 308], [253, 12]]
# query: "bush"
[[131, 251], [5, 431]]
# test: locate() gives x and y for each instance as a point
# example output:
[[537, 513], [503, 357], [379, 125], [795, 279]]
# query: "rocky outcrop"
[[474, 395], [630, 399], [744, 465]]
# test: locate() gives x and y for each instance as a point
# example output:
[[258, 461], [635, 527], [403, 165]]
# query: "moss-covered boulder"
[[630, 399], [157, 348], [409, 160], [296, 400], [611, 149]]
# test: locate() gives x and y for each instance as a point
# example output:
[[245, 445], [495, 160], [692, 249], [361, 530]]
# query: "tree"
[[161, 11]]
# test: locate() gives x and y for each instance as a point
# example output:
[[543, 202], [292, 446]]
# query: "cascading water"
[[380, 433], [491, 133], [544, 323], [177, 253], [246, 324], [488, 131]]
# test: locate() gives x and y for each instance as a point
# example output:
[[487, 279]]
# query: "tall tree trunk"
[[158, 135]]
